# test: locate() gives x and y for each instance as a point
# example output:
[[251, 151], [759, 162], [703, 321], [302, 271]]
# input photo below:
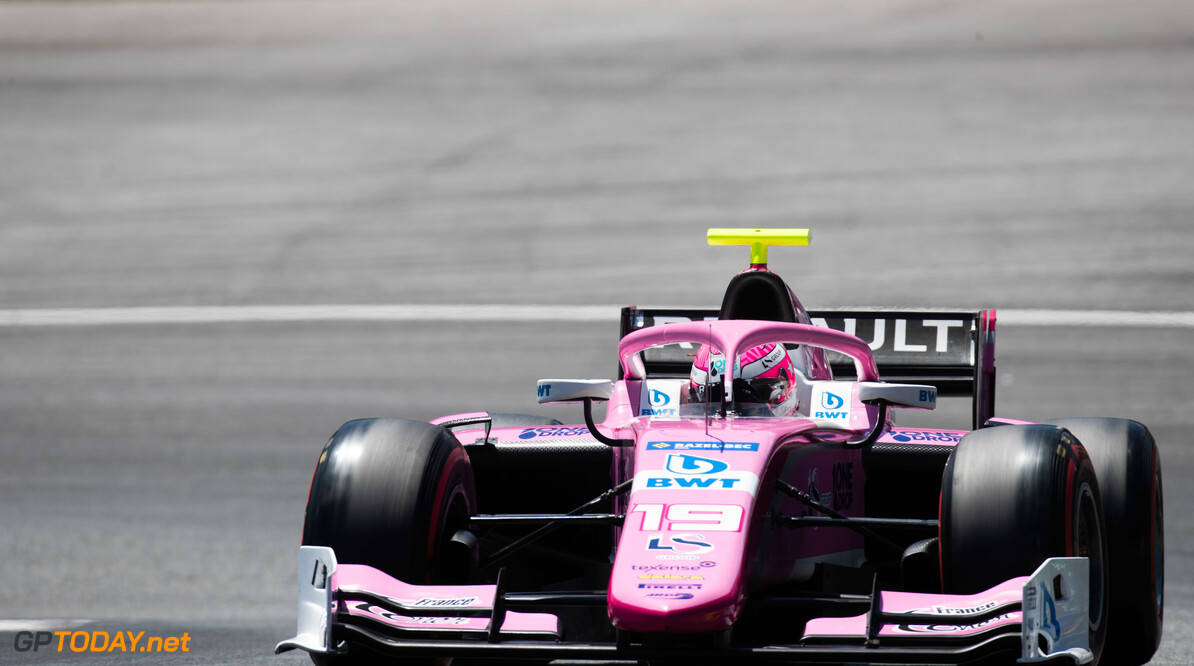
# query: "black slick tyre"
[[1125, 457], [393, 494], [1013, 496]]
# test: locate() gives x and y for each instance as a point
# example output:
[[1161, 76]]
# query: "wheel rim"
[[1088, 538], [444, 568]]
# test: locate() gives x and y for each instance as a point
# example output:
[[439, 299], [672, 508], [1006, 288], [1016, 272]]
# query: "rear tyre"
[[392, 494], [1013, 496], [1126, 460]]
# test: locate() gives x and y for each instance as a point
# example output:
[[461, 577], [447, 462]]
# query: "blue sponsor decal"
[[832, 400], [558, 431], [679, 463], [682, 471], [703, 446], [925, 436], [660, 402], [1049, 617], [685, 544], [687, 482], [670, 595], [831, 407]]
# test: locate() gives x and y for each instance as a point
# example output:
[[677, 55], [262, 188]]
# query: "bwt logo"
[[682, 464], [545, 390], [688, 482], [832, 400], [661, 403], [689, 470], [831, 404], [695, 473]]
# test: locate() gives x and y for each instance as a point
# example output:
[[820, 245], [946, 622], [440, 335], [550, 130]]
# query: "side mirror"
[[581, 390], [913, 396], [574, 390]]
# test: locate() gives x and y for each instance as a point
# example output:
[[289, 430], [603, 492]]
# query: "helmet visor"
[[748, 393]]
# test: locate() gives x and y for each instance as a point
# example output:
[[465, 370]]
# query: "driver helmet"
[[764, 375]]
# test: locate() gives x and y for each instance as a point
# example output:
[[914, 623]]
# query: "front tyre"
[[1126, 460], [1014, 496], [395, 495]]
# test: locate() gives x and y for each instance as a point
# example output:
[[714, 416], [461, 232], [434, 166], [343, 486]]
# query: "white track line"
[[1095, 318], [40, 625], [489, 313], [297, 313]]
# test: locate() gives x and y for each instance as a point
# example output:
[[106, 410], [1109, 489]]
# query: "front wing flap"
[[1042, 618], [362, 596]]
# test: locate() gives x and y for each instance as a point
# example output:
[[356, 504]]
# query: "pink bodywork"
[[684, 560], [734, 337], [1008, 594], [696, 540], [475, 600]]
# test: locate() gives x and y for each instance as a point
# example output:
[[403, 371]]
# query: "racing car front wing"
[[1042, 618]]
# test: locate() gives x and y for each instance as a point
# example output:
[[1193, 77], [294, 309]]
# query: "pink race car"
[[747, 497]]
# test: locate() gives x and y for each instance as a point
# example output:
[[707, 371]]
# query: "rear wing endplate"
[[953, 351]]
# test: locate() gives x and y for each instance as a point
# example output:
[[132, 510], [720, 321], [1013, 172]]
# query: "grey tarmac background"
[[1017, 155]]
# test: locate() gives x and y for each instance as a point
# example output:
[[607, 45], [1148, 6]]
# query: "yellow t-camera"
[[759, 240]]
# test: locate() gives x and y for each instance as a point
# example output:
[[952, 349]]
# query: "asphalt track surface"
[[1018, 155]]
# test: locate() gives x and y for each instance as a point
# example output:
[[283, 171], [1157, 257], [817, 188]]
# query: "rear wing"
[[953, 351]]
